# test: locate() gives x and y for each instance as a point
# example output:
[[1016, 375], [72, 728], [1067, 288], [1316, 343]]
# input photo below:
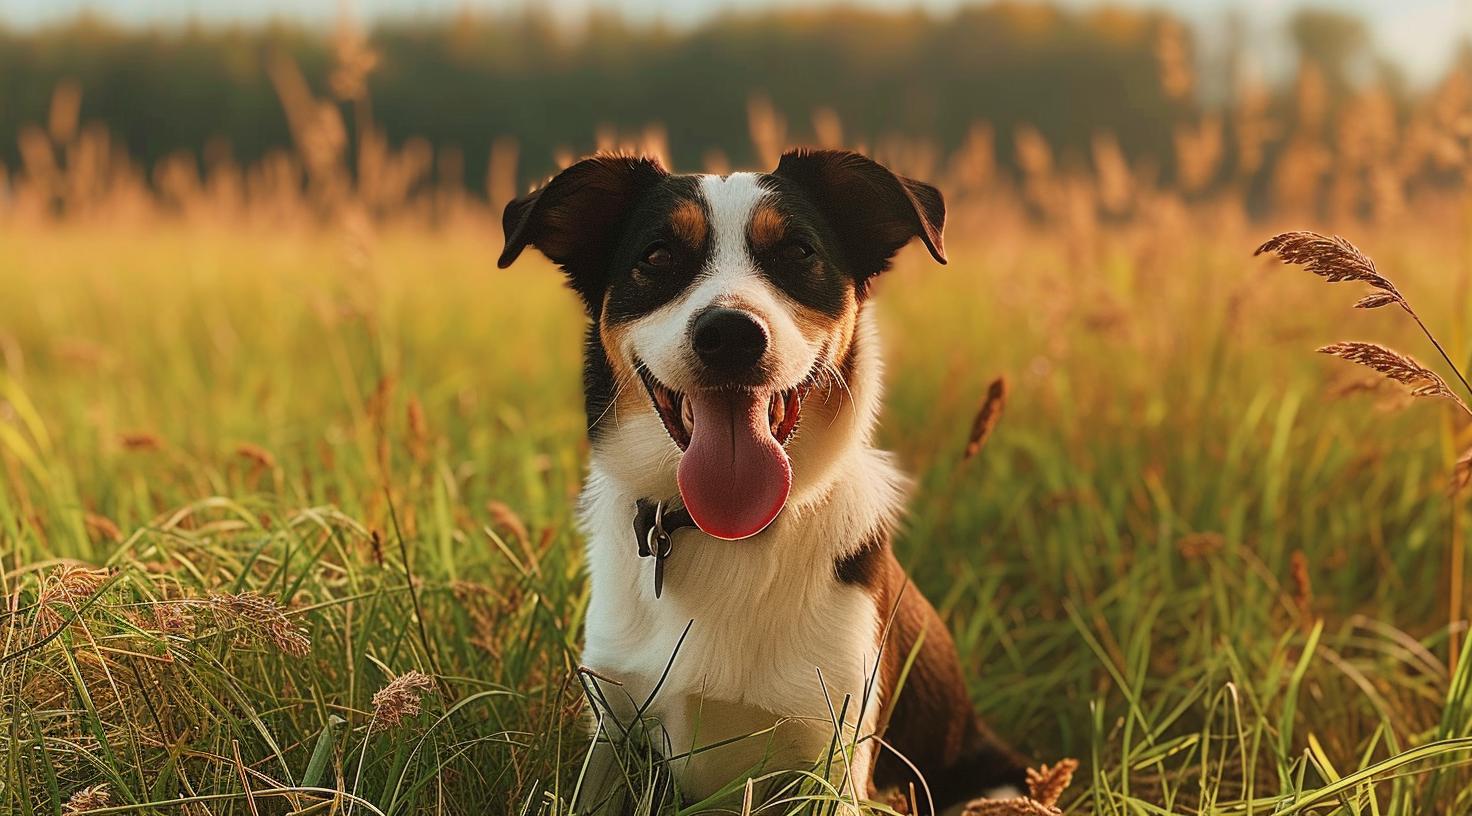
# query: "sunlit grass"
[[384, 433]]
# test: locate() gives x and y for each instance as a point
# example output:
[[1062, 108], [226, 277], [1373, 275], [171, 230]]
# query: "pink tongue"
[[734, 477]]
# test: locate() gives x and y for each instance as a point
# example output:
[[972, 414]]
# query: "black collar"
[[654, 522]]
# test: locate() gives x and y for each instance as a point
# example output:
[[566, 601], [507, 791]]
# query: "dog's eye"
[[796, 251], [658, 256]]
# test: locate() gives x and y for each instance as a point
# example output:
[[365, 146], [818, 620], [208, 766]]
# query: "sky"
[[1419, 35]]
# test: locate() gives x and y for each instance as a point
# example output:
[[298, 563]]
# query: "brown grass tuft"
[[1303, 587], [987, 417], [103, 526], [507, 519], [1018, 806], [96, 797], [72, 584], [1196, 546], [262, 619], [141, 441], [1046, 784], [69, 587], [401, 698], [256, 455], [172, 618], [418, 430]]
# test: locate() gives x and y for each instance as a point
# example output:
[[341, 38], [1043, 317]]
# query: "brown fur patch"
[[689, 224], [836, 334], [768, 227], [813, 324], [631, 394], [931, 722]]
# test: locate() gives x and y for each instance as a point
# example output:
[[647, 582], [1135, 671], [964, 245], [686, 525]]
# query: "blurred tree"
[[463, 83], [1337, 43]]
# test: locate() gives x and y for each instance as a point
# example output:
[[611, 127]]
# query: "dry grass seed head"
[[1303, 588], [1195, 546], [1334, 259], [263, 619], [401, 698], [507, 519], [418, 429], [172, 618], [103, 526], [140, 440], [71, 584], [1402, 368], [93, 798], [1046, 784], [256, 455], [1018, 806], [987, 417]]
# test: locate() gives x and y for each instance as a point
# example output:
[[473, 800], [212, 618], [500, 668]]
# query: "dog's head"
[[725, 310]]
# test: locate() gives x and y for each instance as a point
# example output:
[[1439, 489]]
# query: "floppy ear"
[[873, 210], [574, 218]]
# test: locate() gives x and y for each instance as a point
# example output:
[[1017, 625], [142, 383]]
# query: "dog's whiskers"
[[833, 375], [623, 382]]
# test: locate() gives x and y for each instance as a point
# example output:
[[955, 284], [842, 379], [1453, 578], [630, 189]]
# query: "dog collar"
[[654, 522]]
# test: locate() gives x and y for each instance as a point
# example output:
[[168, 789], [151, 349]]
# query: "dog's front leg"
[[602, 786]]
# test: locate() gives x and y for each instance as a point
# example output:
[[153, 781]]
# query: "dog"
[[737, 513]]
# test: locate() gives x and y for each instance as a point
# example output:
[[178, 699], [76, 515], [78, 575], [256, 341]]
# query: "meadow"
[[288, 474]]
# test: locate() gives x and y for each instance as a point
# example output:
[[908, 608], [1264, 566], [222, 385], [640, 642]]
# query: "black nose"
[[729, 341]]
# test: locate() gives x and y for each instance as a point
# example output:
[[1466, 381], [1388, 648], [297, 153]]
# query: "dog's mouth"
[[734, 473], [677, 412]]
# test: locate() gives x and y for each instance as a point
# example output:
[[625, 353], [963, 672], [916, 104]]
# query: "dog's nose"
[[728, 341]]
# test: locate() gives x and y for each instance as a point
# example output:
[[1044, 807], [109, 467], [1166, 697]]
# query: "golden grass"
[[280, 452]]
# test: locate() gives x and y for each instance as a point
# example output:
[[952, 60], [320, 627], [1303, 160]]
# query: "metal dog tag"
[[660, 544]]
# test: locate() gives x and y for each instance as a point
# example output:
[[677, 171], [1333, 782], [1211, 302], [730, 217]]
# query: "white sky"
[[1420, 35]]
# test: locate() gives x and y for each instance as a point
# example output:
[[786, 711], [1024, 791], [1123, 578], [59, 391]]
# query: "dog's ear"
[[574, 218], [873, 210]]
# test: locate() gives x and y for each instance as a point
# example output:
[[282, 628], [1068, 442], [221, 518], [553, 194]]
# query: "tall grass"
[[288, 471]]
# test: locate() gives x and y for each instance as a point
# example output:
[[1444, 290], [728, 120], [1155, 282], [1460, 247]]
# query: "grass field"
[[1182, 558]]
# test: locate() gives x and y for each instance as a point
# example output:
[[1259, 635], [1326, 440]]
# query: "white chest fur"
[[766, 618]]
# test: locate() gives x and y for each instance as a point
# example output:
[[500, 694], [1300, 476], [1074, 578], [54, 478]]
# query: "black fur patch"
[[599, 386], [821, 281], [872, 211], [635, 289], [864, 566]]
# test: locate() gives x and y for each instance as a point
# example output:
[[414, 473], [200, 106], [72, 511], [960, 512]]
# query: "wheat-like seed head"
[[401, 698], [1334, 259], [987, 417], [1404, 369]]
